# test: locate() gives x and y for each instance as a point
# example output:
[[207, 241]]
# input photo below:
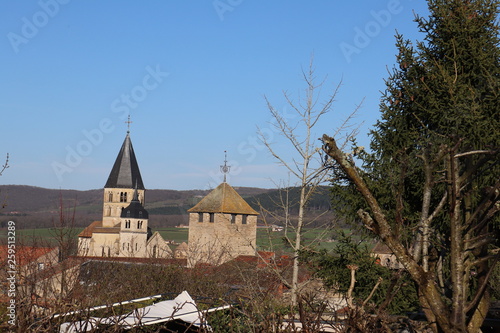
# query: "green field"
[[177, 235], [39, 237], [266, 239]]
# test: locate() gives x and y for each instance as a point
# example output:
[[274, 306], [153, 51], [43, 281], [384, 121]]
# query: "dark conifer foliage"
[[434, 162]]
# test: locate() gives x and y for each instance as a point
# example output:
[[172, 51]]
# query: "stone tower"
[[123, 231], [123, 180], [222, 226], [134, 229]]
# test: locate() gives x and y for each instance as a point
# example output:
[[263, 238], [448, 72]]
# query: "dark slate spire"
[[125, 172], [135, 209]]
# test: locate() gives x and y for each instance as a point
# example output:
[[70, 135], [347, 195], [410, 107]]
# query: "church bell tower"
[[123, 180]]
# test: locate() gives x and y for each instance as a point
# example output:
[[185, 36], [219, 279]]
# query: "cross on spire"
[[225, 168], [128, 122]]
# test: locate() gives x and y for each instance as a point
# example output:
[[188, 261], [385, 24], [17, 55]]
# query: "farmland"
[[267, 240]]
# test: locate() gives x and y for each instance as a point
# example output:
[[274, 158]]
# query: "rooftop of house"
[[87, 232], [381, 248], [223, 199], [26, 254]]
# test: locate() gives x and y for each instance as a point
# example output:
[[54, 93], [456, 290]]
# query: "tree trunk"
[[298, 239], [382, 228], [456, 250]]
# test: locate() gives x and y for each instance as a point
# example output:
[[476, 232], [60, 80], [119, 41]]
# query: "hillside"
[[34, 207]]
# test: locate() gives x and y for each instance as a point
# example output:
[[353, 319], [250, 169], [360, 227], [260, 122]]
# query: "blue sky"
[[192, 75]]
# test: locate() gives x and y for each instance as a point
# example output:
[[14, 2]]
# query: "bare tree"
[[2, 169], [304, 165]]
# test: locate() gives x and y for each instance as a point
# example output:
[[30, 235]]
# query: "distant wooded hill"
[[36, 207]]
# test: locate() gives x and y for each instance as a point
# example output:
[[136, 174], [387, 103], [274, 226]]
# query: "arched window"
[[127, 224], [110, 196], [123, 196], [154, 251], [139, 224]]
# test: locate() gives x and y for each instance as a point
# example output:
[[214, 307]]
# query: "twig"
[[6, 165]]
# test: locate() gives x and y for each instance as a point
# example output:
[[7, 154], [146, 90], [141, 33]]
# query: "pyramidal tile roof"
[[125, 172], [223, 199]]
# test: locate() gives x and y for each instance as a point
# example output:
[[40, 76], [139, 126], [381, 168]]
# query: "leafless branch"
[[6, 165]]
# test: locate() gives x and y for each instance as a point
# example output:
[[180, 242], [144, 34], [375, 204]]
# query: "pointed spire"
[[135, 197], [125, 172], [225, 168]]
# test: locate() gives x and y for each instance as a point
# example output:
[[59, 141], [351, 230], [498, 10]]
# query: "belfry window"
[[127, 224], [110, 196], [244, 219], [123, 196], [139, 224], [212, 217], [200, 217], [233, 218]]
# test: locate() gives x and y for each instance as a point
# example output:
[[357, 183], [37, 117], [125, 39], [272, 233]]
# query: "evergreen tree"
[[433, 176]]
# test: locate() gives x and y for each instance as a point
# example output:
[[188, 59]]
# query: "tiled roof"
[[381, 248], [166, 261], [224, 199], [25, 254], [125, 172], [87, 232], [106, 230]]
